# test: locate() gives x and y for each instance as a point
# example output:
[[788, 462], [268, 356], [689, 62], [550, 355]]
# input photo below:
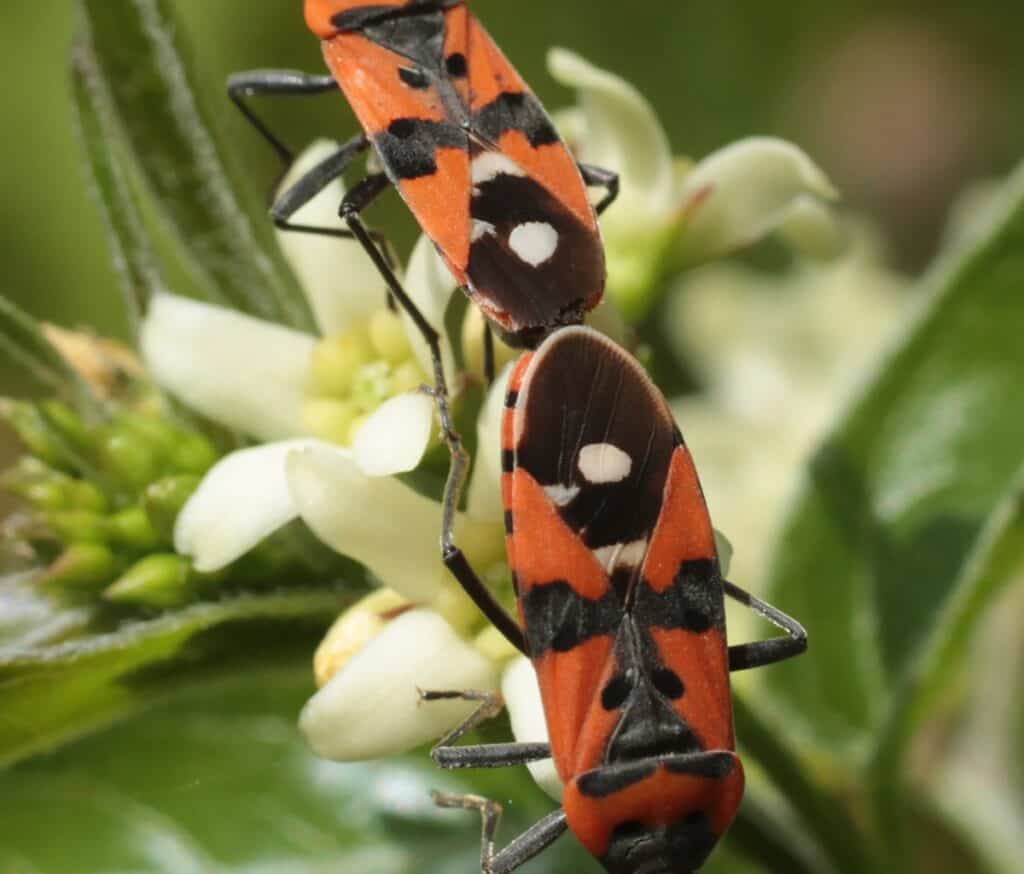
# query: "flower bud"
[[371, 708], [129, 458], [161, 581], [78, 525], [81, 567], [67, 423], [474, 327], [131, 528], [353, 630], [192, 453], [33, 430], [163, 500]]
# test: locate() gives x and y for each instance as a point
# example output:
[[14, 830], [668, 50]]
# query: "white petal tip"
[[395, 437]]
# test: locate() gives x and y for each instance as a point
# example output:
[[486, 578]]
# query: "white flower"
[[676, 214], [371, 707], [274, 383], [777, 355]]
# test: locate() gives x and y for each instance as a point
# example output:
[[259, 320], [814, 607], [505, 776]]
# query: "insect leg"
[[354, 203], [446, 755], [519, 851], [253, 83], [606, 179], [488, 354], [765, 652], [473, 586]]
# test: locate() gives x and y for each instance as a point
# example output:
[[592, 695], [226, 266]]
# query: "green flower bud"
[[64, 420], [40, 439], [130, 459], [161, 581], [78, 525], [193, 453], [164, 499], [335, 362], [84, 495], [131, 528], [387, 334], [82, 567]]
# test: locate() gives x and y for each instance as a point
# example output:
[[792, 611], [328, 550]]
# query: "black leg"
[[607, 179], [446, 755], [488, 354], [313, 182], [765, 652], [471, 583], [254, 83], [534, 840], [354, 203]]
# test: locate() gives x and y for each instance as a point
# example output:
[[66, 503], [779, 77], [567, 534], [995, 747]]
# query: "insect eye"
[[616, 692], [667, 682]]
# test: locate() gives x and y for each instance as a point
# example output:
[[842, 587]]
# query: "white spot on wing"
[[533, 242], [561, 496], [480, 229], [487, 165], [621, 555], [604, 463]]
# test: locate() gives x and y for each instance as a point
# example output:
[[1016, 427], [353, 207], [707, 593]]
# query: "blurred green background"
[[901, 102]]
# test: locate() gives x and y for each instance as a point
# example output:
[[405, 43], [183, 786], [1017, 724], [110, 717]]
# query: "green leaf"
[[218, 780], [51, 692], [182, 160], [103, 145], [899, 494], [818, 814], [23, 341]]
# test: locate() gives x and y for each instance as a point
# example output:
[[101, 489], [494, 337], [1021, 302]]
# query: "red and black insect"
[[621, 604], [473, 153]]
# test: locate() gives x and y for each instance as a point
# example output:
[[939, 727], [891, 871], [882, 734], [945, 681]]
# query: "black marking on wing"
[[537, 298], [455, 65], [519, 111], [602, 782], [584, 390], [417, 36], [407, 148], [362, 16], [645, 689], [694, 602], [558, 618], [678, 846]]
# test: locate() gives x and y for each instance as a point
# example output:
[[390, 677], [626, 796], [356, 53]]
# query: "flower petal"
[[526, 713], [395, 436], [342, 283], [430, 285], [242, 372], [621, 132], [372, 709], [241, 500], [483, 499], [376, 520], [748, 189]]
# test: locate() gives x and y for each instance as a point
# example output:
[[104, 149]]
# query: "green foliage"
[[906, 529]]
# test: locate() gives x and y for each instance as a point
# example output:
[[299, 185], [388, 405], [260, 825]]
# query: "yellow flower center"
[[355, 372]]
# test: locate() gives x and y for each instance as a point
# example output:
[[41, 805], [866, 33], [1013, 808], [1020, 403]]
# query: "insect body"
[[474, 155], [469, 148], [621, 605]]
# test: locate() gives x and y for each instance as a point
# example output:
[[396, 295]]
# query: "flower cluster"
[[336, 420]]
